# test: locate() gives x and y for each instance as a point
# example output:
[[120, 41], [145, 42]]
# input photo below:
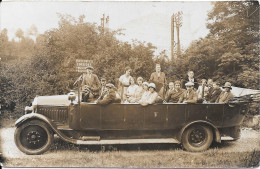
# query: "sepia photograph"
[[129, 84]]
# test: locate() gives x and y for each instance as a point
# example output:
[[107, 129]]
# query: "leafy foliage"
[[44, 64]]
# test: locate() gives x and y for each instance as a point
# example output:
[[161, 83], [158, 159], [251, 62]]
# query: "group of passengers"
[[154, 91]]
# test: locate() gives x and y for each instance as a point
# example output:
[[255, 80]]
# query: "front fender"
[[34, 116], [53, 126]]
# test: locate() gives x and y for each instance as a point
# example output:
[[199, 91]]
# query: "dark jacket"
[[224, 98], [93, 82], [192, 97], [110, 97], [174, 96], [159, 81], [212, 97]]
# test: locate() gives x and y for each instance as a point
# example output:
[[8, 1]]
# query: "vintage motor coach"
[[195, 126]]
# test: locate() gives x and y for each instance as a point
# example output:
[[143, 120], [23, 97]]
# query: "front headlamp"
[[28, 109]]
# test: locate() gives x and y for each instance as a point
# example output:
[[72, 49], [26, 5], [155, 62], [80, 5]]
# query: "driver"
[[90, 85]]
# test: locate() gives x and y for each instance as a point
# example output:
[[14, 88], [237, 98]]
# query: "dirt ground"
[[244, 152]]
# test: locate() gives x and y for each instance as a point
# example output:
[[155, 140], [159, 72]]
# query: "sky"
[[143, 21]]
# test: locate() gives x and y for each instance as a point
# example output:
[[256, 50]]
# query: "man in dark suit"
[[210, 87], [212, 96], [159, 79], [190, 78]]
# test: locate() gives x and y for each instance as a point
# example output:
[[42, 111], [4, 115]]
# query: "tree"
[[19, 34]]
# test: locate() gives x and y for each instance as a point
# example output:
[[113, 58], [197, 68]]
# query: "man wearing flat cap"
[[110, 96], [90, 83], [226, 94], [189, 96]]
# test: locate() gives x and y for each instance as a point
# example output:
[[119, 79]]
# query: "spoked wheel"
[[33, 137], [197, 138]]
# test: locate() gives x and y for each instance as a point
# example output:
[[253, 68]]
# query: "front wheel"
[[197, 138], [33, 137]]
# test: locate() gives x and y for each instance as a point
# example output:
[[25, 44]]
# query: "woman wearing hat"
[[226, 94], [145, 94], [152, 97]]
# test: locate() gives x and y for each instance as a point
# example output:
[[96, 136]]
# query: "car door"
[[176, 116], [90, 117], [155, 117], [134, 116], [112, 116]]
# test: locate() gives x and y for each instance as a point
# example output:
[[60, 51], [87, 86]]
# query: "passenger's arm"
[[194, 99], [181, 98], [153, 99]]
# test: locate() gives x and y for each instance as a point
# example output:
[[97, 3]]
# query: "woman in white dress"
[[124, 82]]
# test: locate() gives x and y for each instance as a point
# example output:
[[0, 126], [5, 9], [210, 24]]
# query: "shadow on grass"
[[59, 144]]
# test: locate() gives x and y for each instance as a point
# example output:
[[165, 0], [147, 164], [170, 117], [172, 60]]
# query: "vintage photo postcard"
[[129, 84]]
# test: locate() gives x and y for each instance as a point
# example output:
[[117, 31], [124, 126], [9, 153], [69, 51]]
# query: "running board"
[[128, 141]]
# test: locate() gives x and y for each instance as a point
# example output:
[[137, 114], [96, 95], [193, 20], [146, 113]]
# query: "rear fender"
[[41, 117], [216, 132]]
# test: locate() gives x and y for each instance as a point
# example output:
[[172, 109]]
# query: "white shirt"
[[131, 90], [145, 96], [125, 80], [152, 97]]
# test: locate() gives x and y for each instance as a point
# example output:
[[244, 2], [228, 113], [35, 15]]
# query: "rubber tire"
[[41, 124], [206, 143]]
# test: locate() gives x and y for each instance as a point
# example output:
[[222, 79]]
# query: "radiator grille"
[[58, 114]]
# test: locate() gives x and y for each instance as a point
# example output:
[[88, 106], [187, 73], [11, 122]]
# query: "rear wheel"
[[33, 137], [197, 138]]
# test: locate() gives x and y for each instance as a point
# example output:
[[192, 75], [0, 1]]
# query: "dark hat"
[[227, 85]]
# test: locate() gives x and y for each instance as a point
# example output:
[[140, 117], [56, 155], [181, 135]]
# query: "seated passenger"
[[139, 90], [171, 88], [153, 96], [145, 94], [175, 94], [87, 95], [226, 94], [130, 93], [212, 97], [110, 96], [202, 90], [210, 87], [189, 96]]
